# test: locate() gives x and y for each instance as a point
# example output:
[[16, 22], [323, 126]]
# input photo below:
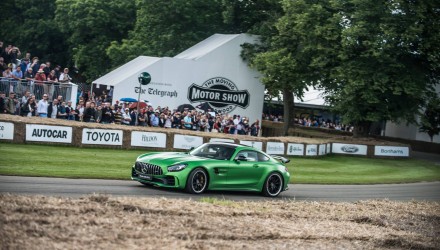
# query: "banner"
[[275, 148], [148, 139], [255, 144], [187, 141], [295, 149], [6, 131], [351, 149], [391, 151], [102, 137], [48, 133], [312, 150], [321, 150]]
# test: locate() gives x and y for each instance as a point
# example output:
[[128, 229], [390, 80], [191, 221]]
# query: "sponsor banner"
[[102, 137], [187, 141], [148, 139], [275, 148], [48, 133], [312, 150], [391, 151], [328, 148], [321, 150], [221, 140], [6, 131], [295, 149], [351, 149], [255, 144]]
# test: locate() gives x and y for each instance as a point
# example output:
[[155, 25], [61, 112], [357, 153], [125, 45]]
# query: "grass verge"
[[63, 161]]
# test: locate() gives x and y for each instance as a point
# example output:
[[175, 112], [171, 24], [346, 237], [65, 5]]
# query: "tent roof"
[[132, 67], [206, 46]]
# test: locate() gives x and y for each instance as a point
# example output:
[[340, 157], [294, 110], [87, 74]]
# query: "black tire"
[[197, 181], [273, 185]]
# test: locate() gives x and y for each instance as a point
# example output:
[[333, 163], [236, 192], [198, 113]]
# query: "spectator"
[[57, 71], [176, 121], [162, 120], [28, 108], [42, 107], [106, 114], [70, 111], [53, 109], [35, 65], [64, 77], [118, 115], [3, 65], [24, 64], [2, 103], [154, 119], [47, 69], [203, 124], [25, 97], [52, 79], [90, 112], [255, 128], [62, 112], [17, 75], [40, 78], [11, 103], [126, 118], [98, 114], [14, 54], [187, 121], [79, 111]]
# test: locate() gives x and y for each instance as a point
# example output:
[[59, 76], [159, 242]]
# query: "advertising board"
[[46, 133], [6, 131], [102, 137], [187, 141], [148, 139]]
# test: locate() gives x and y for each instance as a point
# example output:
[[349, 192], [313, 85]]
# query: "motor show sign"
[[255, 144], [46, 133], [6, 131], [391, 151], [275, 148], [102, 137], [351, 149], [220, 94], [187, 141], [295, 149], [312, 150], [148, 139]]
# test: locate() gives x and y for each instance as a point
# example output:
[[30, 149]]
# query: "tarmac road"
[[340, 193]]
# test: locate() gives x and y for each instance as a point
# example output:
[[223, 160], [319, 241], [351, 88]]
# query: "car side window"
[[250, 155], [262, 157]]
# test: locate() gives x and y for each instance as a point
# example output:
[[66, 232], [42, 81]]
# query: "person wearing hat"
[[40, 78]]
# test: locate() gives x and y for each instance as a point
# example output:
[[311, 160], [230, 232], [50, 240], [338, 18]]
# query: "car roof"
[[231, 144]]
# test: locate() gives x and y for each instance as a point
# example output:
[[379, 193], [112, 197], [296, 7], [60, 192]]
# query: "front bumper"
[[164, 180]]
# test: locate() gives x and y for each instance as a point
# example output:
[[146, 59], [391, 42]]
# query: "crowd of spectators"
[[94, 109]]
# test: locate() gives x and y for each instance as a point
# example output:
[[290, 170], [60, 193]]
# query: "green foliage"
[[165, 28], [89, 26], [388, 60], [30, 25], [430, 120]]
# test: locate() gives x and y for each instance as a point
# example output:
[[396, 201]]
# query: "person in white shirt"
[[42, 107], [64, 77]]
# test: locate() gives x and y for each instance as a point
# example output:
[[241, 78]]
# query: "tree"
[[166, 28], [388, 61], [89, 26], [430, 120], [295, 54], [32, 28]]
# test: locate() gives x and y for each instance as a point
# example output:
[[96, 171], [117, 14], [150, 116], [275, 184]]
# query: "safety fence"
[[37, 88]]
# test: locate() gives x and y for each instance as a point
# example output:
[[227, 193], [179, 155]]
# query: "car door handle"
[[255, 166]]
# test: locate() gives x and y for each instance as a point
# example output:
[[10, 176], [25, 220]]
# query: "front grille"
[[147, 168]]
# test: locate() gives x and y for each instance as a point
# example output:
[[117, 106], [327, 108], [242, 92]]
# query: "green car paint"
[[214, 166]]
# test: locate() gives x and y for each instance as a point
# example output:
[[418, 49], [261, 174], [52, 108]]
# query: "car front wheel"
[[197, 181], [273, 185]]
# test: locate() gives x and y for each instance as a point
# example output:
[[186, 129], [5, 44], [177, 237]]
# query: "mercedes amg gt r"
[[214, 166]]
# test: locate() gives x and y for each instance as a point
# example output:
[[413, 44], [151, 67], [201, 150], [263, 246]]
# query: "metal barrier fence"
[[37, 88]]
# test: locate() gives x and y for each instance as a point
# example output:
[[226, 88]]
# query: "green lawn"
[[63, 161]]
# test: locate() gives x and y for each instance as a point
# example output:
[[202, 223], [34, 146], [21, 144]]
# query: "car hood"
[[169, 158]]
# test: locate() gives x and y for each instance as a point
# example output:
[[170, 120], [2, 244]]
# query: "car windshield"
[[214, 151]]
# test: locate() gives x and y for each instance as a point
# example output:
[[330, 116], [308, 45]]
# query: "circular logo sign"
[[144, 78], [219, 94]]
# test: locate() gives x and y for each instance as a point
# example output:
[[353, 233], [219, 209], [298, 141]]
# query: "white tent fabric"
[[206, 46], [123, 72]]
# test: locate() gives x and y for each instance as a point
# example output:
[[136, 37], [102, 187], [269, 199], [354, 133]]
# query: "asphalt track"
[[429, 191]]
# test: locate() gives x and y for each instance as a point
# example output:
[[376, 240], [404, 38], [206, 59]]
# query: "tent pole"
[[139, 100]]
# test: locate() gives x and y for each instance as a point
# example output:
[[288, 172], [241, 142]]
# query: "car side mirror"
[[189, 150], [241, 158]]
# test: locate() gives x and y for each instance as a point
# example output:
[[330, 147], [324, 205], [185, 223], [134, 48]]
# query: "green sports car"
[[214, 166]]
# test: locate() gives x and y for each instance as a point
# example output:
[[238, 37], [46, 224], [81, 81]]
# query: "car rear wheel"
[[197, 181], [273, 185]]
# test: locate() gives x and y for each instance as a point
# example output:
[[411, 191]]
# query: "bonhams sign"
[[102, 136], [46, 133], [391, 151], [220, 94]]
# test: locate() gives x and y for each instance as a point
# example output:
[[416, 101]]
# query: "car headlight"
[[177, 167]]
